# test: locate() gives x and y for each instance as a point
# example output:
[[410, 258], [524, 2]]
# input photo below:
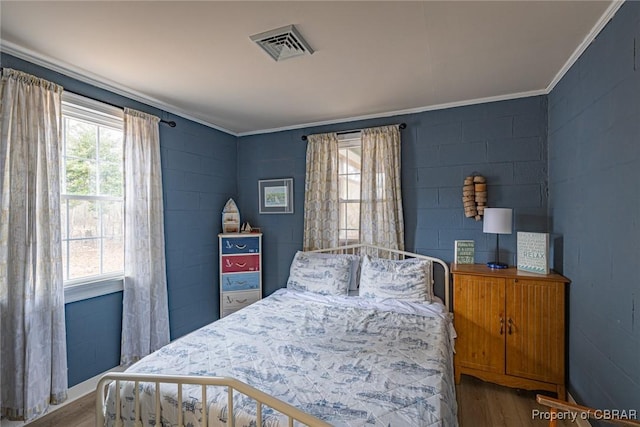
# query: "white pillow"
[[408, 279], [355, 265], [322, 275]]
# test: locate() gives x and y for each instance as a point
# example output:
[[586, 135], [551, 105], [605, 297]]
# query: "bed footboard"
[[233, 385]]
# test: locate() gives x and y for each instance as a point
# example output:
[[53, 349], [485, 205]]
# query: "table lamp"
[[497, 221]]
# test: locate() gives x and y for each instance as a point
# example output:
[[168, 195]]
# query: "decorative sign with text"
[[533, 252], [464, 252]]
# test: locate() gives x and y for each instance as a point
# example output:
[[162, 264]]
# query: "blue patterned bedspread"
[[350, 361]]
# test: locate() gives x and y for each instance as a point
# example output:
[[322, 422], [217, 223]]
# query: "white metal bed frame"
[[261, 398]]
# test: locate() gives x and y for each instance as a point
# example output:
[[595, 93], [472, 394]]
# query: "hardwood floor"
[[483, 404], [81, 413], [480, 404]]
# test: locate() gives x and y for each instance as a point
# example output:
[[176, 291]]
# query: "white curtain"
[[33, 372], [381, 217], [145, 321], [321, 208]]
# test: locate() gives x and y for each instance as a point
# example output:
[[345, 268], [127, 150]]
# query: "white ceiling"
[[372, 58]]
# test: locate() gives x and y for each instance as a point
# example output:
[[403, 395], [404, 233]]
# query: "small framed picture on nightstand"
[[464, 252], [533, 252]]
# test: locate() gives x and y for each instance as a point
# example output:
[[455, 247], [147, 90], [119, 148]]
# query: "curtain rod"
[[401, 126], [170, 123]]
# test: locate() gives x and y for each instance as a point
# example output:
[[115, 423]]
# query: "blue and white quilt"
[[350, 361]]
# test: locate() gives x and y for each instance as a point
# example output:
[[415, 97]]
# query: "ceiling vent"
[[282, 43]]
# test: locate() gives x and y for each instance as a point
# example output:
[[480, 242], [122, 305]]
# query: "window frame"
[[104, 115], [346, 141]]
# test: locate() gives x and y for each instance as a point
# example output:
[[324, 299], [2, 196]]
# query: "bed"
[[306, 355]]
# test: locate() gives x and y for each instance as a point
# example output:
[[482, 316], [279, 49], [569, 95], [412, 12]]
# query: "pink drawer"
[[237, 263]]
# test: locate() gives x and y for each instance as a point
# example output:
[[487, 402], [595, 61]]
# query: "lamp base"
[[497, 265]]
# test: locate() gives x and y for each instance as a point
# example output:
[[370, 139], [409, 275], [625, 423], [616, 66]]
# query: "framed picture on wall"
[[275, 196]]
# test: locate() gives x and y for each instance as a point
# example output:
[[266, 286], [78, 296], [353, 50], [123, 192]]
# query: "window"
[[92, 189], [349, 168]]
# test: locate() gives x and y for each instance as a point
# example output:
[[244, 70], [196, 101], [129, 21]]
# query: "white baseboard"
[[579, 421], [74, 393]]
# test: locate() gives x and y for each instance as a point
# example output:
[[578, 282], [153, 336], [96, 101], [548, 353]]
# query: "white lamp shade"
[[497, 220]]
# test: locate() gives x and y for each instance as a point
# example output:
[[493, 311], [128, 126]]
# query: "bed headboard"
[[380, 252]]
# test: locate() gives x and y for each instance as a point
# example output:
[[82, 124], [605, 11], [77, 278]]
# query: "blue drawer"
[[240, 281], [240, 245]]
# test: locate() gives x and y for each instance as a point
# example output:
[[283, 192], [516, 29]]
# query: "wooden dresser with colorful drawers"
[[240, 271]]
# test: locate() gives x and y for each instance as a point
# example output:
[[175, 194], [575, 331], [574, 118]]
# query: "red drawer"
[[237, 263]]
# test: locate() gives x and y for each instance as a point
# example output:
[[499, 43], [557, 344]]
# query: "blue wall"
[[594, 159], [504, 141], [94, 329], [199, 175], [594, 199]]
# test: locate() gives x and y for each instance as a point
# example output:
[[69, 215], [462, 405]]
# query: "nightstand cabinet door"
[[535, 330], [510, 327], [479, 321]]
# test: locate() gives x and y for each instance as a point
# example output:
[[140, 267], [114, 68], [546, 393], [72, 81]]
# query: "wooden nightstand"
[[510, 327]]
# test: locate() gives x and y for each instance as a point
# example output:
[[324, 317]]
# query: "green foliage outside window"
[[92, 196], [89, 172]]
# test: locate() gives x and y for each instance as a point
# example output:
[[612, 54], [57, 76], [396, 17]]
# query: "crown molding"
[[103, 83], [402, 112], [600, 24], [604, 19], [85, 76]]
